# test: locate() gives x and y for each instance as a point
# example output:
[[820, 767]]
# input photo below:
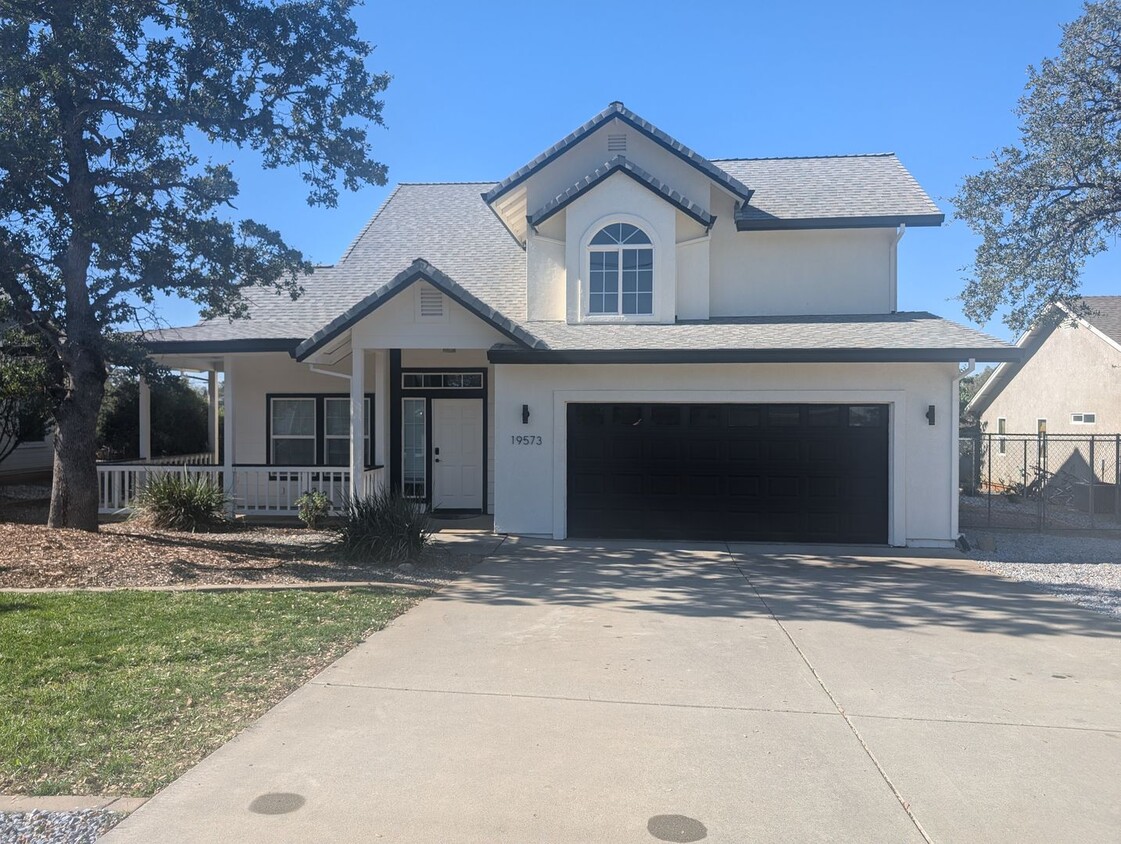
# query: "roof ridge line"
[[803, 157], [468, 182], [369, 223]]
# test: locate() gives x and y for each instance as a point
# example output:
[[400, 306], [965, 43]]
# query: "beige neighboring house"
[[1069, 381]]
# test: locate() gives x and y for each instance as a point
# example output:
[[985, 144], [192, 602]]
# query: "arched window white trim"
[[620, 270]]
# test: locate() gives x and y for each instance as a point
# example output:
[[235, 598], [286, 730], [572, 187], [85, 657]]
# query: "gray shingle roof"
[[620, 164], [838, 188], [904, 330], [447, 225], [1104, 313]]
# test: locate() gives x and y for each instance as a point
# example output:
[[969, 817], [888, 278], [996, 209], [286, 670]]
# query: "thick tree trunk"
[[74, 490], [74, 494]]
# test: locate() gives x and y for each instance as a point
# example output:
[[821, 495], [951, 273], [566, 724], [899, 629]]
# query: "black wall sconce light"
[[930, 415], [525, 414]]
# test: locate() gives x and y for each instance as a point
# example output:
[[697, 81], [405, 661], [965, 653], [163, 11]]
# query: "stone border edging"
[[69, 803], [312, 586]]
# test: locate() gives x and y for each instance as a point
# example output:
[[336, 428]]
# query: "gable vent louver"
[[616, 143], [431, 304]]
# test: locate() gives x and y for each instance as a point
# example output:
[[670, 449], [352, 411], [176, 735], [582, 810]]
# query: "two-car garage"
[[769, 472]]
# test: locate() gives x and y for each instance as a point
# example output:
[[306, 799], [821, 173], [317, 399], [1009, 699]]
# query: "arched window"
[[621, 271]]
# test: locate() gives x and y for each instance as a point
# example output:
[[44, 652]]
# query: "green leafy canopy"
[[1044, 207], [103, 105]]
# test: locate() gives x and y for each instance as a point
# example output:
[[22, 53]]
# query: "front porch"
[[255, 490], [417, 420]]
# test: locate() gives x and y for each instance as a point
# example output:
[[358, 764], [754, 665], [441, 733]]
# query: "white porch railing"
[[257, 490]]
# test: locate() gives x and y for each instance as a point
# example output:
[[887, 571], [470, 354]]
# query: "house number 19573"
[[526, 439]]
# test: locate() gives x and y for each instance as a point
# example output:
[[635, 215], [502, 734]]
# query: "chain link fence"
[[1040, 482]]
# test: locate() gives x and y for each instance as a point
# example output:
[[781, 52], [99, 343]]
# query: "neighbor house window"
[[1083, 418], [293, 431], [1001, 428], [621, 271]]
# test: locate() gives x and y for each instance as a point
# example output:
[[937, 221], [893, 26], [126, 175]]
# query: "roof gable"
[[620, 164], [419, 270], [1101, 315], [618, 111]]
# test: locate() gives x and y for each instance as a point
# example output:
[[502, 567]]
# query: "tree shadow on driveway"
[[878, 588]]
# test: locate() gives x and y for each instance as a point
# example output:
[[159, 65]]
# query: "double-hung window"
[[621, 271], [313, 431], [336, 431], [293, 431]]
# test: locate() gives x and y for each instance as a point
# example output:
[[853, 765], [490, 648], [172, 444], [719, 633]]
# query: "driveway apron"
[[592, 692]]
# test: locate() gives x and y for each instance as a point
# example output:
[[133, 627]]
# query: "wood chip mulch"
[[127, 554]]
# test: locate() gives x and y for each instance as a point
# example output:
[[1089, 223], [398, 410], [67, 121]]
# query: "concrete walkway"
[[612, 694]]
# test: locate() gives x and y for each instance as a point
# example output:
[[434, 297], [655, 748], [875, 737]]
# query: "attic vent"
[[431, 305], [616, 143]]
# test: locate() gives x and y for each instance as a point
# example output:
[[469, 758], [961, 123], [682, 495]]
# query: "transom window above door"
[[621, 271]]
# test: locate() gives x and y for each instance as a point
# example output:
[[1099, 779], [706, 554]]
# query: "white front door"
[[457, 454]]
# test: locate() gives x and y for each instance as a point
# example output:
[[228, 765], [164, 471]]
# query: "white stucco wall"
[[257, 375], [839, 271], [531, 492], [546, 271], [1073, 371], [395, 325]]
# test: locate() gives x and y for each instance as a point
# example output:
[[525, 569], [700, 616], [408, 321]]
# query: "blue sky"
[[480, 88]]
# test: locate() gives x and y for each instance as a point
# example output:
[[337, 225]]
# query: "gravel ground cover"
[[1078, 568], [82, 827]]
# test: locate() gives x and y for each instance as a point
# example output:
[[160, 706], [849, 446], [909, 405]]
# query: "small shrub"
[[170, 501], [384, 526], [312, 507]]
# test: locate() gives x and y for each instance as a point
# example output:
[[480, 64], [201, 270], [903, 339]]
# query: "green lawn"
[[120, 692]]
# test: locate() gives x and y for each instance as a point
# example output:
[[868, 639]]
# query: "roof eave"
[[232, 346], [866, 222], [836, 355]]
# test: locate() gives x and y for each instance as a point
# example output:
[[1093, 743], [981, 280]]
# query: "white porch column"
[[145, 421], [357, 424], [381, 419], [212, 415], [228, 430]]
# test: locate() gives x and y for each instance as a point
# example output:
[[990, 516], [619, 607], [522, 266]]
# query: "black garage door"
[[782, 472]]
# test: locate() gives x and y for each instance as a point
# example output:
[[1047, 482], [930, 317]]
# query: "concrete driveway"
[[583, 693]]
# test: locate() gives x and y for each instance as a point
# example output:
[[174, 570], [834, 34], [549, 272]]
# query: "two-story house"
[[620, 339]]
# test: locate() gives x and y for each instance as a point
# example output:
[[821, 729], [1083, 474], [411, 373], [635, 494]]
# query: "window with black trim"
[[621, 271], [442, 380], [314, 430]]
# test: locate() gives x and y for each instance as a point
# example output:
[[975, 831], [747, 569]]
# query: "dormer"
[[602, 214]]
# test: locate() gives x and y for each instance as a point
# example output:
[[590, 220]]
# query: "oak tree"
[[1046, 205], [111, 113]]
